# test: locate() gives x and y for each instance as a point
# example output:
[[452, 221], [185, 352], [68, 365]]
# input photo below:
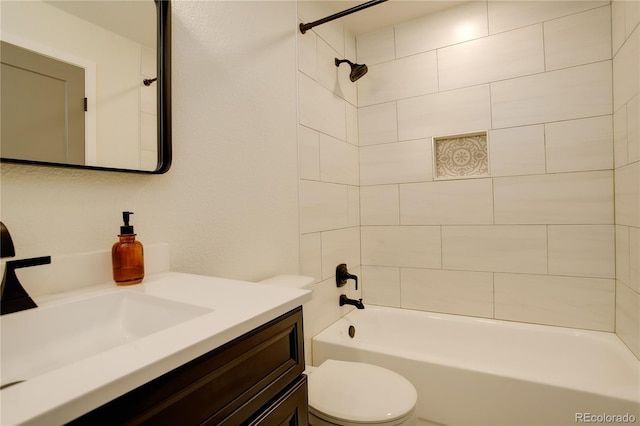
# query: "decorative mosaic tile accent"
[[462, 156]]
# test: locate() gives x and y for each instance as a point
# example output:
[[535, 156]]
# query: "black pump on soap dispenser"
[[127, 255]]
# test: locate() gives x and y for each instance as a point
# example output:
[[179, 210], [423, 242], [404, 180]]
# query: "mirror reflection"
[[72, 83]]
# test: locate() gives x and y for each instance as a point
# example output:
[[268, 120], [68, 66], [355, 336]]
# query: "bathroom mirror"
[[86, 84]]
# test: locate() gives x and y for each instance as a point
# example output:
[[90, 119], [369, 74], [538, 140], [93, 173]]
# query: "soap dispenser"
[[127, 255]]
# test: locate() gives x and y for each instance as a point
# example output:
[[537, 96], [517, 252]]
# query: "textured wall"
[[229, 205]]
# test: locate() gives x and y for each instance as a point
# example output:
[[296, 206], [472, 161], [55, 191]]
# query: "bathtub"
[[473, 371]]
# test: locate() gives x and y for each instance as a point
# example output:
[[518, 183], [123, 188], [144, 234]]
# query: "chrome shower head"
[[357, 70]]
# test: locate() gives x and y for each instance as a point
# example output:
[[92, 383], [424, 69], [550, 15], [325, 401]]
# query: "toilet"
[[343, 393]]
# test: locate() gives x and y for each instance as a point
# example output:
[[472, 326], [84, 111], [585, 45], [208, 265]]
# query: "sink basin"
[[45, 338]]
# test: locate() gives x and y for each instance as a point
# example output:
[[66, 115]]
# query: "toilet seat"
[[354, 393]]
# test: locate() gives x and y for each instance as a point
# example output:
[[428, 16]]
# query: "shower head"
[[357, 70]]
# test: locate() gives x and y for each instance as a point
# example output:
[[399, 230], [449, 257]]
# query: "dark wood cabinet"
[[255, 379]]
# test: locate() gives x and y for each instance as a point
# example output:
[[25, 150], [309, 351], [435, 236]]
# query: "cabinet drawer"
[[248, 371], [291, 409]]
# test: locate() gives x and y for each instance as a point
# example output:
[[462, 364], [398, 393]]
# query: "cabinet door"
[[289, 410]]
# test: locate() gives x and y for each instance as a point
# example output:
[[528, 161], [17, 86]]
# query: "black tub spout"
[[344, 300]]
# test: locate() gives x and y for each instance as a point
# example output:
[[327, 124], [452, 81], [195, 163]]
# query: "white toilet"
[[353, 393]]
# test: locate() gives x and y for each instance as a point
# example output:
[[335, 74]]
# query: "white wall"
[[535, 242], [626, 131], [229, 205]]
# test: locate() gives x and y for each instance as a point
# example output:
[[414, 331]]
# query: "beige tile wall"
[[329, 165], [626, 119], [540, 240], [536, 241]]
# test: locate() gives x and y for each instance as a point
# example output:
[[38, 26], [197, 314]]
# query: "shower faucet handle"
[[342, 275]]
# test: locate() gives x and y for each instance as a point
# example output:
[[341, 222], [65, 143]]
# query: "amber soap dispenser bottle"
[[127, 255]]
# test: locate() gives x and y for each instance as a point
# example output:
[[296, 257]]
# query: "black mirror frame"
[[163, 19]]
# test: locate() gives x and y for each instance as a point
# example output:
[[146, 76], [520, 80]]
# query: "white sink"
[[45, 338]]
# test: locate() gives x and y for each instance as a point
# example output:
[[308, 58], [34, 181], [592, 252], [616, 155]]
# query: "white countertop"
[[63, 394]]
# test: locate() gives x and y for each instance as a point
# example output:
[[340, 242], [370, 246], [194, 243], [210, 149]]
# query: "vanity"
[[255, 379], [195, 350]]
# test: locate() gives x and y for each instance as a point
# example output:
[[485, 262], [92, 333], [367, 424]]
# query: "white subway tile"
[[331, 77], [578, 39], [381, 285], [626, 68], [308, 54], [577, 92], [564, 198], [495, 248], [338, 161], [311, 255], [409, 246], [456, 202], [350, 50], [633, 128], [333, 34], [454, 292], [622, 253], [323, 206], [447, 113], [353, 194], [634, 259], [628, 317], [617, 24], [348, 87], [507, 15], [320, 108], [631, 16], [340, 246], [580, 145], [507, 55], [582, 250], [517, 151], [309, 153], [378, 124], [376, 47], [627, 196], [402, 78], [395, 162], [450, 26], [564, 301], [323, 310], [352, 124], [620, 137], [380, 205]]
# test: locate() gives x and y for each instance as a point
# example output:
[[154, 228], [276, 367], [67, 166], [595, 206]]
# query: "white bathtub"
[[473, 371]]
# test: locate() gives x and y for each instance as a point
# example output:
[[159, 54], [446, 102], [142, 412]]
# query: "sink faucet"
[[344, 300], [13, 297]]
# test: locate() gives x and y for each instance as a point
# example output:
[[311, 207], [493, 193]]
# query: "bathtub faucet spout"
[[344, 300]]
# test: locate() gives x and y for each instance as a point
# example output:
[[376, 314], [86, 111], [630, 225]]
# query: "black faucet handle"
[[6, 243], [25, 263], [342, 275]]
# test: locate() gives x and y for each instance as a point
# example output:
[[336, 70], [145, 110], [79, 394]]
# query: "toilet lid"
[[359, 393]]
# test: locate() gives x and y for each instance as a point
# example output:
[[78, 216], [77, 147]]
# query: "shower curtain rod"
[[305, 27]]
